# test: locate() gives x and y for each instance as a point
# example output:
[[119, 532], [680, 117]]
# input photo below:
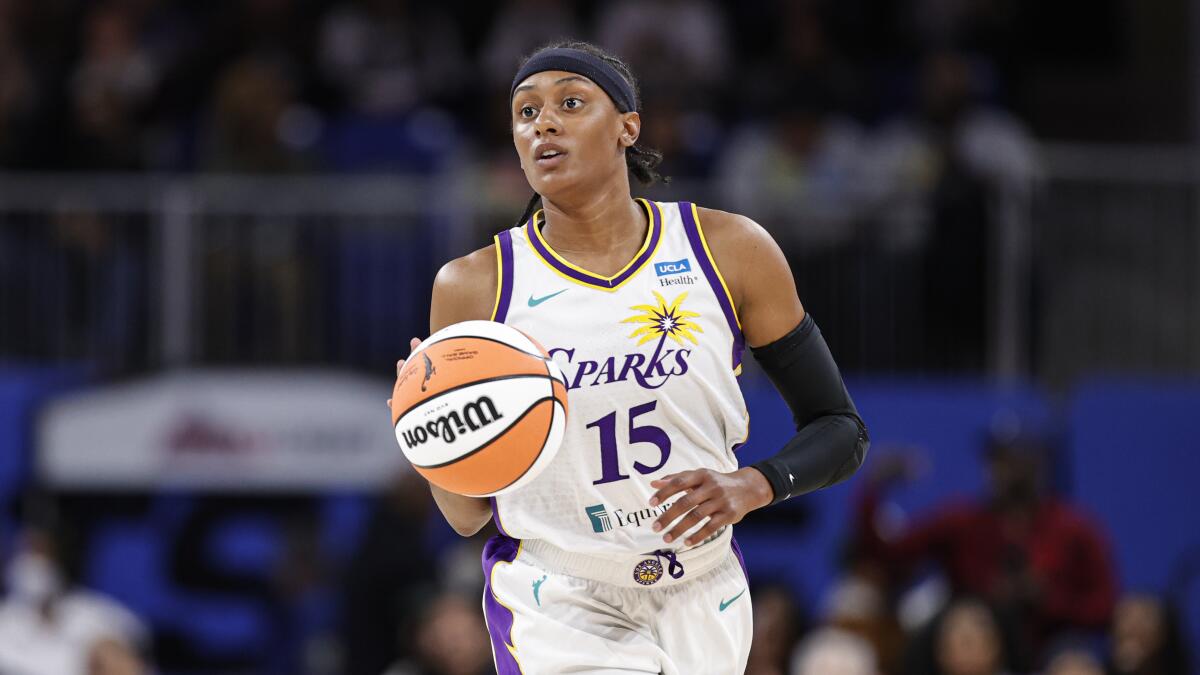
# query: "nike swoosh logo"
[[534, 302], [726, 603]]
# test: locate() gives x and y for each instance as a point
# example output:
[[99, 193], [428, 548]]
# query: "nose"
[[546, 123]]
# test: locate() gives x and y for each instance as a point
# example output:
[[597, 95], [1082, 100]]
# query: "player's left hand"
[[723, 498]]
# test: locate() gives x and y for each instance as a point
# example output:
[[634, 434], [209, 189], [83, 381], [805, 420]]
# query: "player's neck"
[[601, 221]]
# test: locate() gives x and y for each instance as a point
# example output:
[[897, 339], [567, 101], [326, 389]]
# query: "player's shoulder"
[[470, 269], [733, 233], [751, 264], [464, 287]]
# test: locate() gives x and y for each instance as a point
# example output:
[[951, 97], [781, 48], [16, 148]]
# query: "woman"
[[619, 557]]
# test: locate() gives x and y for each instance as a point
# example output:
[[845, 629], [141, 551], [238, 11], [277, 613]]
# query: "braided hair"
[[642, 161]]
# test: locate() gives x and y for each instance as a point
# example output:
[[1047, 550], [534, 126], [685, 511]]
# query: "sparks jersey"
[[651, 357]]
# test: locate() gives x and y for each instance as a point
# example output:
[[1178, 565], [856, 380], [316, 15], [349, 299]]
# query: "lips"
[[549, 154]]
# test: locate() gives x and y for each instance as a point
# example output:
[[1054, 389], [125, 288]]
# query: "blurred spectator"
[[258, 125], [110, 87], [81, 283], [50, 627], [113, 657], [520, 28], [856, 604], [935, 177], [800, 173], [688, 137], [451, 640], [968, 641], [16, 97], [675, 46], [1073, 659], [776, 628], [388, 56], [830, 651], [1146, 639], [1042, 563], [391, 572]]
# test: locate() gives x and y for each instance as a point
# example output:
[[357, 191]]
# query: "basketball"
[[479, 408]]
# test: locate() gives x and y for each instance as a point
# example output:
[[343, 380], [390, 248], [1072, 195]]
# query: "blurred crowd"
[[1015, 581], [293, 85], [873, 139]]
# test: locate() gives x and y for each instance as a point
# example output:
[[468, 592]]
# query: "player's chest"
[[641, 335]]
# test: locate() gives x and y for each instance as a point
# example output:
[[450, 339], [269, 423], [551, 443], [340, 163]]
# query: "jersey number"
[[610, 469]]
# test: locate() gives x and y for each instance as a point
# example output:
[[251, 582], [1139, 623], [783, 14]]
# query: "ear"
[[631, 128]]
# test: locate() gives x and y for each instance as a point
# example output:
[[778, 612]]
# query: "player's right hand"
[[412, 344]]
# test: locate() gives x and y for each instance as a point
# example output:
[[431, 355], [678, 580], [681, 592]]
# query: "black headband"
[[582, 63]]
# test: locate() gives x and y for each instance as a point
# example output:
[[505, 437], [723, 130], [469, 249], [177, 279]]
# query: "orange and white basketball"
[[479, 408]]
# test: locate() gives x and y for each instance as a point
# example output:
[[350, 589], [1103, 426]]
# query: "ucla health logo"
[[674, 273], [663, 269]]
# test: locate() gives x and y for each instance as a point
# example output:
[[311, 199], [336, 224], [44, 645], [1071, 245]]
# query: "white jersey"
[[651, 357]]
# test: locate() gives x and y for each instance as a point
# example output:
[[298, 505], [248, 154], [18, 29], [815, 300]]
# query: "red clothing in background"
[[1064, 555]]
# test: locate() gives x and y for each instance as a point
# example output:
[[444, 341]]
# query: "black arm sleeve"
[[831, 439]]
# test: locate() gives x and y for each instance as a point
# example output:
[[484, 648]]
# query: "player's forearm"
[[467, 515], [831, 439]]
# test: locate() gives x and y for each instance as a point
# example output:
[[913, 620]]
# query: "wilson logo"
[[474, 416], [663, 269]]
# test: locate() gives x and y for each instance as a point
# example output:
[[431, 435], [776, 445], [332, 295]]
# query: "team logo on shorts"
[[647, 572]]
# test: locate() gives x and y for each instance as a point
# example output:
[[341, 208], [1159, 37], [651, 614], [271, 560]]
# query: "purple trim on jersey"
[[692, 228], [737, 550], [506, 274], [498, 617], [496, 516], [588, 278]]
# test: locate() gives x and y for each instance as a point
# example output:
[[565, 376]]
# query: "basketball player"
[[619, 557]]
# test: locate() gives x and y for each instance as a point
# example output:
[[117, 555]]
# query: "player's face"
[[568, 133]]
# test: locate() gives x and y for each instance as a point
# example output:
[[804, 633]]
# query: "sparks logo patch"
[[663, 269], [662, 321]]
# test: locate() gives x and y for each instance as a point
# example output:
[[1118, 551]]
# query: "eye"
[[572, 103], [527, 112]]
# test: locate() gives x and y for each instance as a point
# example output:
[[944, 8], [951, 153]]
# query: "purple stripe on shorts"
[[506, 274], [737, 550], [499, 619], [548, 256], [692, 228]]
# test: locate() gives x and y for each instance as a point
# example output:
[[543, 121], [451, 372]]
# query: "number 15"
[[610, 469]]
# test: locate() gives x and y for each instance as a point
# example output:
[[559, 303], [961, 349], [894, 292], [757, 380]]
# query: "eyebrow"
[[558, 81]]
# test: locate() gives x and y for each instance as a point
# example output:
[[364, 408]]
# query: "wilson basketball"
[[479, 408]]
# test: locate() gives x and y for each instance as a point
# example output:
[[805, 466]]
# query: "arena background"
[[219, 224]]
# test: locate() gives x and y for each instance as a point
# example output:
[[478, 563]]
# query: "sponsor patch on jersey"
[[603, 520], [663, 269], [679, 280], [598, 515]]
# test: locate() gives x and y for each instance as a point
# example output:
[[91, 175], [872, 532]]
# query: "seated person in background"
[[1036, 559], [1146, 639], [1073, 659], [968, 641], [831, 651], [48, 627]]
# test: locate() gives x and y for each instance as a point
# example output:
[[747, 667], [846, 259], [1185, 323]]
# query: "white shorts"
[[550, 611]]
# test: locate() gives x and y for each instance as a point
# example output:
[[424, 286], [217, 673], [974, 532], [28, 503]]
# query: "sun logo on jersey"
[[664, 321]]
